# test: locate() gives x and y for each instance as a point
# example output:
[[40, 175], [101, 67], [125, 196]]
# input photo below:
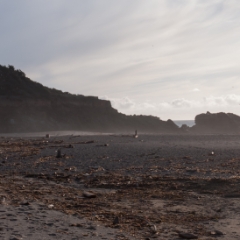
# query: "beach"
[[117, 186]]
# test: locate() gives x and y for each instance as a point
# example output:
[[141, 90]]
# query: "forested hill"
[[27, 106], [15, 84]]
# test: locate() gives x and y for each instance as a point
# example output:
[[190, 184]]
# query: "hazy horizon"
[[166, 58]]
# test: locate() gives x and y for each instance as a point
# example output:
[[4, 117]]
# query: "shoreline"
[[153, 186]]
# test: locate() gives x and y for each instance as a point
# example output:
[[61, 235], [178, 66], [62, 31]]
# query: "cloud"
[[124, 103], [195, 90], [229, 100], [129, 105], [155, 52], [170, 109]]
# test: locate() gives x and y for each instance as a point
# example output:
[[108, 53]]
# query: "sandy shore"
[[119, 187]]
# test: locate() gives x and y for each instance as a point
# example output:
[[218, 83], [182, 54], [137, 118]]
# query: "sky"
[[169, 58]]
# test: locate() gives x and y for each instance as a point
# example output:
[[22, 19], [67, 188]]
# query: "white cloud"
[[170, 109], [229, 100], [195, 90], [154, 50]]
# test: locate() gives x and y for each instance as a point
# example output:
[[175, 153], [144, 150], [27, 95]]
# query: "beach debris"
[[15, 238], [85, 142], [50, 206], [70, 146], [25, 203], [116, 220], [131, 204], [187, 236], [211, 153], [232, 195], [87, 194], [154, 229], [3, 200], [76, 225], [103, 145], [59, 153], [216, 233], [73, 169], [191, 171], [91, 227]]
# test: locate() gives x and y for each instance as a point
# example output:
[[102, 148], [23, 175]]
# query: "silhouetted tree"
[[10, 67]]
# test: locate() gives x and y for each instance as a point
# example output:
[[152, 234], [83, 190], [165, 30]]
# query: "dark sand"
[[150, 187]]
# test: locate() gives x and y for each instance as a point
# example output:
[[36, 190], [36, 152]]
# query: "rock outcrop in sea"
[[216, 123]]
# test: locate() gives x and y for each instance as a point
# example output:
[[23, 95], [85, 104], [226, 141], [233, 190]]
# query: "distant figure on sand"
[[59, 153], [135, 135]]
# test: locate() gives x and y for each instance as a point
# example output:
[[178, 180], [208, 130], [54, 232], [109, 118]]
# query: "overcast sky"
[[169, 58]]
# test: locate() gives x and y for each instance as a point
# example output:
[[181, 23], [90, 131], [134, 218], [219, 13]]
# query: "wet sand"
[[119, 187]]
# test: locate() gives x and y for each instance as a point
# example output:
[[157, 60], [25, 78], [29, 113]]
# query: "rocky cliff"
[[217, 123], [27, 106]]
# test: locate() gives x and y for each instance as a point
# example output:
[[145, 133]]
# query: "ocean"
[[189, 123]]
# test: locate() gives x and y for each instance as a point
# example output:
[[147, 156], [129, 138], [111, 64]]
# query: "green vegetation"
[[27, 106], [15, 84]]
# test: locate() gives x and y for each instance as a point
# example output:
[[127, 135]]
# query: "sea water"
[[189, 123]]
